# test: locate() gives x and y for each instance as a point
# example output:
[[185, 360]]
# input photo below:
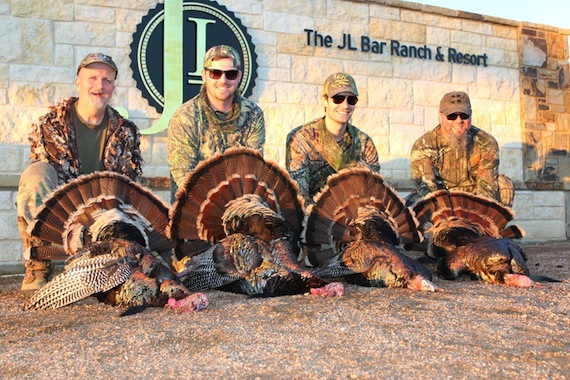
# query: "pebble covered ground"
[[472, 330]]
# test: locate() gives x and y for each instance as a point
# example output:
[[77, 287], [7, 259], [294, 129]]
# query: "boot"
[[37, 274], [37, 271]]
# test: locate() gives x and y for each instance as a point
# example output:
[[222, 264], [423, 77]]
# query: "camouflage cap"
[[98, 58], [222, 51], [457, 101], [339, 82]]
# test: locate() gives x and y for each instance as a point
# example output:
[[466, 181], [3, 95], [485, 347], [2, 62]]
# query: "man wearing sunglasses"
[[214, 120], [458, 155], [328, 144]]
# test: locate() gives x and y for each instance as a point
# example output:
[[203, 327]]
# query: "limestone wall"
[[44, 41]]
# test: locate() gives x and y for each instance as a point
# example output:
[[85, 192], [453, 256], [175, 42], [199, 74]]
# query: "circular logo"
[[176, 38]]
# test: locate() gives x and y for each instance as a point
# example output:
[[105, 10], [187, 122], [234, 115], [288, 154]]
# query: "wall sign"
[[168, 48], [394, 48]]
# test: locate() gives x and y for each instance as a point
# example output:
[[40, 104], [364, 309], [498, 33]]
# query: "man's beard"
[[458, 143], [98, 101]]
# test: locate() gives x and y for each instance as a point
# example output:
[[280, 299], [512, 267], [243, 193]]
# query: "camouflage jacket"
[[435, 165], [195, 133], [53, 140], [312, 155]]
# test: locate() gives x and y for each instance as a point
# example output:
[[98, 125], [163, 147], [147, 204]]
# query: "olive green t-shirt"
[[90, 143]]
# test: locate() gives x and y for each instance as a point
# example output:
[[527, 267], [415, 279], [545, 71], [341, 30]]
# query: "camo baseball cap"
[[222, 51], [457, 101], [98, 58], [339, 82]]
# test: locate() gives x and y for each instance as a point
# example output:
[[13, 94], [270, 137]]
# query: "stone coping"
[[10, 182]]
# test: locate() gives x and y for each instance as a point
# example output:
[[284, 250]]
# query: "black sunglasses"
[[453, 116], [217, 74], [351, 99]]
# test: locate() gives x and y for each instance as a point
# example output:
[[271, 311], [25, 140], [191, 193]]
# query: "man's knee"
[[506, 190], [39, 172], [38, 180]]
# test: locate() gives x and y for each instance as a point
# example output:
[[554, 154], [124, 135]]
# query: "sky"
[[548, 12]]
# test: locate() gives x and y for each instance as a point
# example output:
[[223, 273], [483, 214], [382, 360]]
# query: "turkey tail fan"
[[499, 214], [512, 232], [202, 200], [326, 222], [485, 214], [425, 207], [77, 203]]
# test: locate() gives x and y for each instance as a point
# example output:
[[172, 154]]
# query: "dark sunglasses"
[[351, 99], [217, 74], [453, 116]]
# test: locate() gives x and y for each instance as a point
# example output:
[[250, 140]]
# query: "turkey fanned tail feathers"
[[470, 234], [364, 219], [82, 211], [250, 211], [112, 227]]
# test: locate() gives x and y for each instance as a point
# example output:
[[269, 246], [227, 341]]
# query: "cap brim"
[[342, 89], [455, 109]]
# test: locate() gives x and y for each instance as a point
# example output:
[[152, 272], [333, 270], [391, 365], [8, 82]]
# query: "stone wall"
[[522, 101], [545, 79]]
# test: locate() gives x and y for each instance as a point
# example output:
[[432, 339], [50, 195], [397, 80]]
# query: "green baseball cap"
[[339, 82], [457, 101], [98, 58], [222, 51]]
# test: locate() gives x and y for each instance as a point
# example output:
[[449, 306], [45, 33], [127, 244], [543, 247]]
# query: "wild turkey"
[[469, 234], [111, 226], [249, 211], [362, 220]]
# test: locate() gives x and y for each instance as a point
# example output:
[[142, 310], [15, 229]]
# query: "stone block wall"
[[515, 97], [545, 79]]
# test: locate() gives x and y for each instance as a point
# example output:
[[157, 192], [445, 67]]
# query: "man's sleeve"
[[296, 162], [182, 147], [256, 139], [488, 169], [423, 167]]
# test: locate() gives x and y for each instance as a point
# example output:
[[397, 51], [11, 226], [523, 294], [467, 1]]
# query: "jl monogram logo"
[[167, 52]]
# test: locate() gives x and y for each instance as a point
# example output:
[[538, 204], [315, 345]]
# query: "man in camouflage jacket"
[[53, 140], [214, 120], [78, 136], [457, 155], [326, 145]]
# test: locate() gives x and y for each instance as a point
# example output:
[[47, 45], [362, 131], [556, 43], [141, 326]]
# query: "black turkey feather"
[[250, 211], [363, 220]]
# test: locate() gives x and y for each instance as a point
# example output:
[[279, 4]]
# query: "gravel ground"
[[471, 331]]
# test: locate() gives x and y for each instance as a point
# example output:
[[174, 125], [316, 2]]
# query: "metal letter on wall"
[[168, 50]]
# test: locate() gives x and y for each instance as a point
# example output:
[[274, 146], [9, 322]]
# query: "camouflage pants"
[[38, 180]]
